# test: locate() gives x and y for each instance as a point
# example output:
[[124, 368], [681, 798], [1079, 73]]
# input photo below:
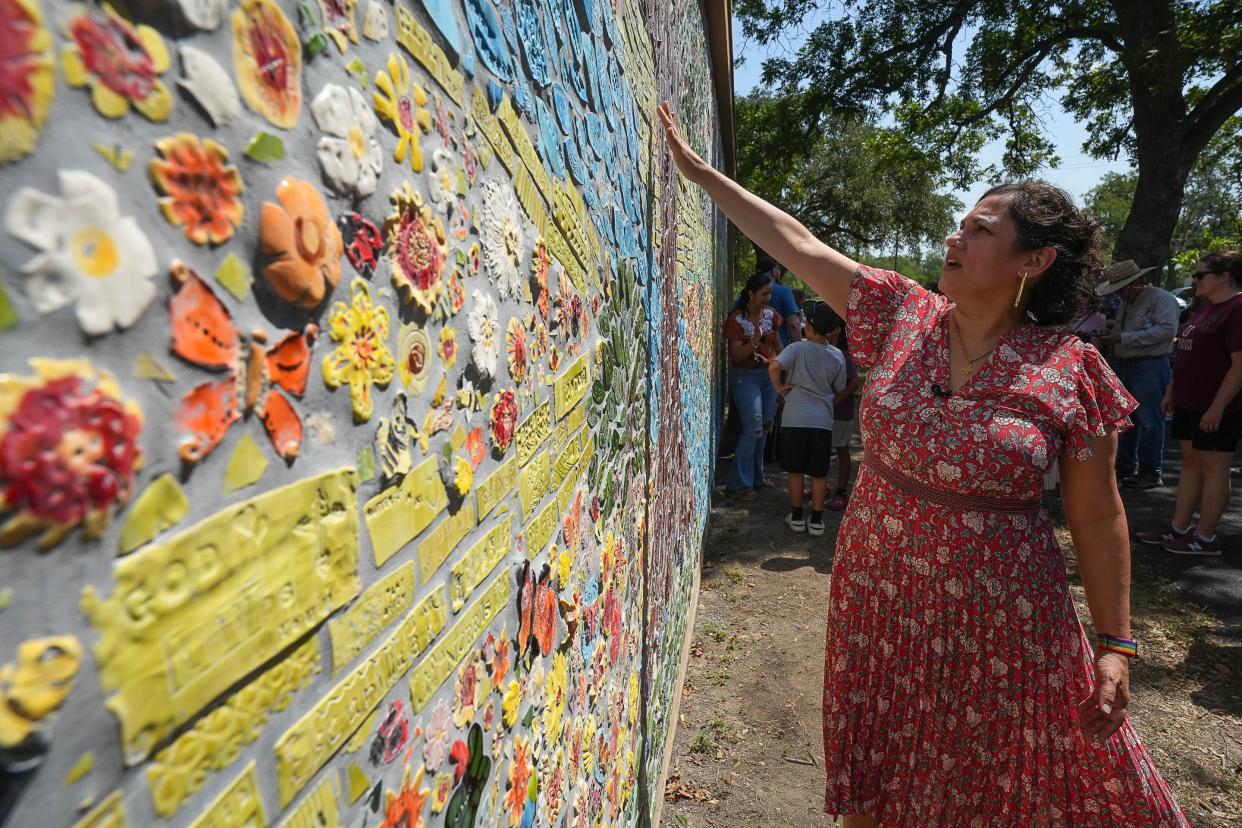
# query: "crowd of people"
[[794, 384], [960, 687]]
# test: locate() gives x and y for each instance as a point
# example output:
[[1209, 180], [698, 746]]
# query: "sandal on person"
[[836, 503]]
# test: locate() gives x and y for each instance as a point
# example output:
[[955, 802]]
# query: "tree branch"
[[1218, 105]]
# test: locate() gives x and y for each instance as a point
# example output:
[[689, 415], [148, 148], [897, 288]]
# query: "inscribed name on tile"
[[479, 562], [490, 127], [192, 615], [396, 516], [179, 770], [107, 814], [569, 387], [440, 541], [379, 606], [313, 739], [237, 805], [574, 478], [319, 809], [540, 529], [533, 431], [439, 664], [576, 419], [497, 485], [533, 483], [568, 458]]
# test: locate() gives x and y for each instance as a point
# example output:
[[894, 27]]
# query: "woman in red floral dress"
[[959, 687]]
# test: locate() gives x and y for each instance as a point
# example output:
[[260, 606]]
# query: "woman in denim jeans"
[[751, 331]]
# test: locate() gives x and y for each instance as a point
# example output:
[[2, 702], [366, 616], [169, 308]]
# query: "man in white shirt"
[[1142, 339]]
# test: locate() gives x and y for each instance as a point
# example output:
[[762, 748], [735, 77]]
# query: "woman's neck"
[[1223, 294], [984, 325], [753, 312]]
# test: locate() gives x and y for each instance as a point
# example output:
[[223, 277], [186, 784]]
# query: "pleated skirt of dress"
[[953, 668]]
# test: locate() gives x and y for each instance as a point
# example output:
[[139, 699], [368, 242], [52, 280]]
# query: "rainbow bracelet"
[[1127, 647]]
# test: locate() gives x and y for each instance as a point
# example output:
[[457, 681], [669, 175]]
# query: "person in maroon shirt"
[[1206, 406]]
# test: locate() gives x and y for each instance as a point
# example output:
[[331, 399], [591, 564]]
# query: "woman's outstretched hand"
[[687, 160]]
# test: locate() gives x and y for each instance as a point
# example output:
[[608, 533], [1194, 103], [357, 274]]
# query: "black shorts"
[[805, 451], [1225, 438]]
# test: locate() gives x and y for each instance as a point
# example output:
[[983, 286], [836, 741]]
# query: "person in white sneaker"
[[1205, 401], [813, 374]]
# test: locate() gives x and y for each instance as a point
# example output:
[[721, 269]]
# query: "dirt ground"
[[749, 750]]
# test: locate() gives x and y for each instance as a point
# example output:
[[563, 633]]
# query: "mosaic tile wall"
[[357, 393]]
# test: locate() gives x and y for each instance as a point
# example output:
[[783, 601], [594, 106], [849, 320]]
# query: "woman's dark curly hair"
[[1046, 217]]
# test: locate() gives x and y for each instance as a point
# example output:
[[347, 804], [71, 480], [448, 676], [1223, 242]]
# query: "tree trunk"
[[1148, 230], [1148, 31]]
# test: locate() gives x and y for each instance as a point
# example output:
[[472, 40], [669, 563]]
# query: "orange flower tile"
[[202, 191], [305, 243]]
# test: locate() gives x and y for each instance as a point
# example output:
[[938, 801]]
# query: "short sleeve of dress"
[[875, 298], [1100, 404], [732, 330]]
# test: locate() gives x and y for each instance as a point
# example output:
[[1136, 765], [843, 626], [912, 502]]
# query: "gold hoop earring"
[[1021, 286]]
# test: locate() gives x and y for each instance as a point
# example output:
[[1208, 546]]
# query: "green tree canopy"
[[857, 186], [1154, 80]]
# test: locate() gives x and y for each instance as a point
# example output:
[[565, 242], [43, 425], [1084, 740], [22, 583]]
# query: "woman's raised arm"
[[828, 272]]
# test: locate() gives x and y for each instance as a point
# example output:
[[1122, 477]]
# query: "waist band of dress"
[[940, 497]]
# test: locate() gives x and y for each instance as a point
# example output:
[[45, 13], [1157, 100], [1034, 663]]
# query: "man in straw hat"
[[1142, 339]]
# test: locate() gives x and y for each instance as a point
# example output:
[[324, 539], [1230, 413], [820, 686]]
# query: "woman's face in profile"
[[760, 297], [981, 255]]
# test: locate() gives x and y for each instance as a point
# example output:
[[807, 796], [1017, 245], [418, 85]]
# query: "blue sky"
[[1077, 173]]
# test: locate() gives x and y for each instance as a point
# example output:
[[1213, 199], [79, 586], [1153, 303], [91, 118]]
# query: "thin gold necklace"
[[969, 368]]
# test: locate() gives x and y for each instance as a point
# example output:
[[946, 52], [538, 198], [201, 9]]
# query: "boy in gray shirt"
[[814, 373]]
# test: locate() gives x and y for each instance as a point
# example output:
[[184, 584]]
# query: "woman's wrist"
[[1116, 644]]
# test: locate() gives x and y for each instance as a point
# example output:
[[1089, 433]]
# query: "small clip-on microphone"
[[938, 391]]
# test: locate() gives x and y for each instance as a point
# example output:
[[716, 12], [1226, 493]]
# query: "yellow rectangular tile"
[[417, 41], [439, 664], [531, 199], [178, 771], [490, 127], [480, 560], [588, 450], [574, 478], [396, 516], [561, 250], [540, 529], [575, 418], [238, 806], [496, 487], [107, 814], [319, 809], [566, 492], [567, 459], [533, 482], [533, 431], [525, 147], [440, 541], [313, 739], [569, 387], [380, 605], [192, 615]]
